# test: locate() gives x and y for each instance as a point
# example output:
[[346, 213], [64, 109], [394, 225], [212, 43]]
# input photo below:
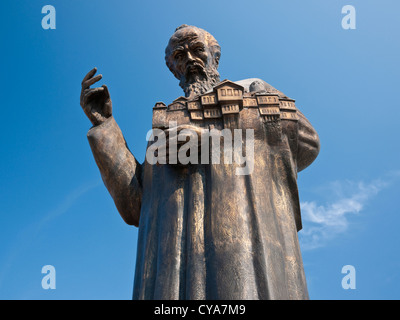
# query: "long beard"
[[199, 82]]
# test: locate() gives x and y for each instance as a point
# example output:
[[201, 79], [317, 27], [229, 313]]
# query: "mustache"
[[194, 66]]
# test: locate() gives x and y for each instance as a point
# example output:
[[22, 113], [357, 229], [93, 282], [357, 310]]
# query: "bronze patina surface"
[[204, 231]]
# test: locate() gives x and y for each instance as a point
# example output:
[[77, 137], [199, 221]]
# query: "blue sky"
[[54, 207]]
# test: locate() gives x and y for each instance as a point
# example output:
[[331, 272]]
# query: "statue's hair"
[[212, 44], [181, 27]]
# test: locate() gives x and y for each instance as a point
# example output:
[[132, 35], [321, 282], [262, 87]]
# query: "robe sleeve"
[[120, 171], [308, 143]]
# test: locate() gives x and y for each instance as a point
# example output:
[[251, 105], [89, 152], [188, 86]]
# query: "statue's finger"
[[90, 74], [106, 92], [91, 81]]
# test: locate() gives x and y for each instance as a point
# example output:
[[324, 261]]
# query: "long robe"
[[205, 232]]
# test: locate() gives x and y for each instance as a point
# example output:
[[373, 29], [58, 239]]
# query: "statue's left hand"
[[191, 133]]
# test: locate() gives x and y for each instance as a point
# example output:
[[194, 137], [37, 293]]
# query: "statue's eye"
[[199, 49], [178, 56]]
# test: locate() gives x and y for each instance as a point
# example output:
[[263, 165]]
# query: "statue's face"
[[190, 54]]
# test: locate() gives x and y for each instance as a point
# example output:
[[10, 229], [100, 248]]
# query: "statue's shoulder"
[[257, 84]]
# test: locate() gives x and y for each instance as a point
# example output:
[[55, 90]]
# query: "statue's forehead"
[[186, 37]]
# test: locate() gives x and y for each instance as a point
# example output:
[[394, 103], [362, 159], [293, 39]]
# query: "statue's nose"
[[190, 57]]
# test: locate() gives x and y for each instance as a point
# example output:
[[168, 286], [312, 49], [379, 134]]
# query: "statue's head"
[[193, 55]]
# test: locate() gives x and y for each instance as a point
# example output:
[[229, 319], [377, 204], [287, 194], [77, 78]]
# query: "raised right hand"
[[95, 102]]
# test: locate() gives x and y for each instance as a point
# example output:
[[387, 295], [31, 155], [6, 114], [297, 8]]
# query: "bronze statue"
[[206, 232]]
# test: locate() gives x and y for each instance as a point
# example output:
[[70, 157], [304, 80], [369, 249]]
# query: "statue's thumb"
[[106, 91]]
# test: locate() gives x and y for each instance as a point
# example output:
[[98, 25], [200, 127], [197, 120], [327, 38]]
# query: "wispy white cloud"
[[67, 203], [27, 235], [323, 222]]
